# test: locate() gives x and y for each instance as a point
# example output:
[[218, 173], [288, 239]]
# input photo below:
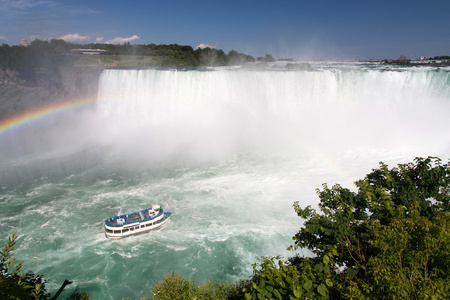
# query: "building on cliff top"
[[88, 51]]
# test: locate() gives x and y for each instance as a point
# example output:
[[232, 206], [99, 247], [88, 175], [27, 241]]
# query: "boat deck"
[[142, 216]]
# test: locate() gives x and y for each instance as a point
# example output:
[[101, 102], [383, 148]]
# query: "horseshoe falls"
[[227, 151]]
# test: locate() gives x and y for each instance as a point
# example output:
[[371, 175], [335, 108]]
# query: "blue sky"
[[314, 29]]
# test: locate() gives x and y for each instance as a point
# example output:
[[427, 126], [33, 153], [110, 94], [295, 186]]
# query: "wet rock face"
[[16, 99], [80, 81], [40, 87], [10, 76]]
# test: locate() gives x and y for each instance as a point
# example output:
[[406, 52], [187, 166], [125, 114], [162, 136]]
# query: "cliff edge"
[[29, 89]]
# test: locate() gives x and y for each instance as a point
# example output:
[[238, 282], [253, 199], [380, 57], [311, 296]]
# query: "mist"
[[157, 118], [227, 151], [215, 115]]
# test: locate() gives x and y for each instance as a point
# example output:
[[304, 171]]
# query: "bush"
[[176, 287], [391, 237], [14, 284]]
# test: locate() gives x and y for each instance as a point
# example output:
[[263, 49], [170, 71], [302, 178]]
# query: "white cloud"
[[98, 40], [203, 46], [81, 11], [26, 4], [74, 37], [2, 37], [121, 40]]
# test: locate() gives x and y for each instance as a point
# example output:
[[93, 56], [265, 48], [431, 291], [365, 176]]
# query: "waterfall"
[[227, 152], [228, 110]]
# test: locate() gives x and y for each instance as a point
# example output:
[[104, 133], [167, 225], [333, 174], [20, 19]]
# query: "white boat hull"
[[122, 227]]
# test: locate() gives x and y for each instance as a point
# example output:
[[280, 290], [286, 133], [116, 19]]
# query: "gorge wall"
[[31, 88]]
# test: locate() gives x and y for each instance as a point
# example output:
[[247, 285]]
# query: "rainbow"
[[40, 113]]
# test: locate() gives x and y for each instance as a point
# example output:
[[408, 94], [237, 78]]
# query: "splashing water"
[[227, 152]]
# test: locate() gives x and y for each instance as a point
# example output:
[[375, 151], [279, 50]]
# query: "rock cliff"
[[29, 89]]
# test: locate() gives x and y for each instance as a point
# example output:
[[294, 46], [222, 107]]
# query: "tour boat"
[[145, 220]]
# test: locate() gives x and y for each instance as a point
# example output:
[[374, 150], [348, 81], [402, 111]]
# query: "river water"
[[227, 151]]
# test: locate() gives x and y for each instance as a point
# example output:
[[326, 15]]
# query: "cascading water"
[[226, 151], [229, 111]]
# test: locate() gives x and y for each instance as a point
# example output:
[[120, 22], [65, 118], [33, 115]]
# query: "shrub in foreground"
[[15, 284], [176, 287], [389, 239]]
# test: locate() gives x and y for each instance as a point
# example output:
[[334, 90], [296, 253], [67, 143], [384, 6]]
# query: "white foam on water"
[[228, 152]]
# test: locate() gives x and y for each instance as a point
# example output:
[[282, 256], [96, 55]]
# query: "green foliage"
[[235, 58], [401, 60], [40, 58], [17, 285], [412, 258], [14, 284], [442, 57], [391, 236], [173, 286], [267, 58], [176, 287], [53, 54], [79, 295], [212, 57], [389, 239], [300, 278]]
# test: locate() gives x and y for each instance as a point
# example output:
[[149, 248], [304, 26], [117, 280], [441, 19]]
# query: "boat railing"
[[109, 222]]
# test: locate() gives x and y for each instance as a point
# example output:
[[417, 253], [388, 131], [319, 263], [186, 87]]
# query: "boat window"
[[125, 230], [117, 231], [108, 230], [131, 228]]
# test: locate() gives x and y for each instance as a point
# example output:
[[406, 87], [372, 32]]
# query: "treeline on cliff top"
[[47, 53]]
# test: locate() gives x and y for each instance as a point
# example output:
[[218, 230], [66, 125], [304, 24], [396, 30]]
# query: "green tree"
[[389, 239], [212, 57], [176, 287], [267, 58], [274, 278], [391, 235], [401, 60], [17, 285], [46, 58], [411, 260], [236, 58], [14, 284]]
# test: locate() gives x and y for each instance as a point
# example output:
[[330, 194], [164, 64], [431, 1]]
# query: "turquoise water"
[[227, 152], [224, 215]]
